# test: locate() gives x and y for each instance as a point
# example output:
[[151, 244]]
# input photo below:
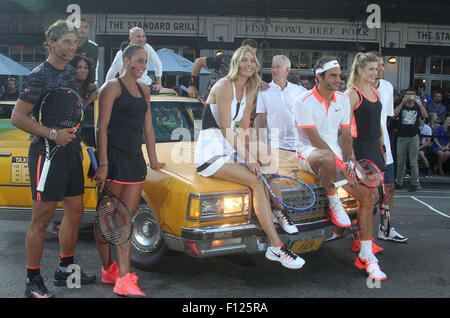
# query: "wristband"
[[383, 149], [194, 81]]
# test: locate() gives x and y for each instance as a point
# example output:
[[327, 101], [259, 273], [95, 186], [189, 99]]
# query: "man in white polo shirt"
[[319, 114], [274, 107], [275, 119], [387, 101]]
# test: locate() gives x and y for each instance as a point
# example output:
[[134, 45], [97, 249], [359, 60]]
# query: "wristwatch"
[[52, 134]]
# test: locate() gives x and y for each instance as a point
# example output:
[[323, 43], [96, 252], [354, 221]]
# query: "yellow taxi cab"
[[180, 210]]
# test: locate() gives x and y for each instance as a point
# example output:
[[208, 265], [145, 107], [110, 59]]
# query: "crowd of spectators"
[[433, 148]]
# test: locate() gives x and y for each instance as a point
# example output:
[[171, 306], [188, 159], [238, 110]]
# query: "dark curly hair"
[[90, 77]]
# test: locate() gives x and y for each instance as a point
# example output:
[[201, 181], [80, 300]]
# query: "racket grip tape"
[[94, 162], [339, 184], [184, 88]]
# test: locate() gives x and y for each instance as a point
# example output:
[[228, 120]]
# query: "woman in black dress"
[[124, 115]]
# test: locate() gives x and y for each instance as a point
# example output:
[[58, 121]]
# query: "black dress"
[[366, 130]]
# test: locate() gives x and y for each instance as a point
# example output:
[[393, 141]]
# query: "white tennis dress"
[[213, 150]]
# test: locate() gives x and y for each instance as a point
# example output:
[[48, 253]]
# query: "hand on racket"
[[65, 136], [100, 176], [61, 109], [192, 94], [367, 173], [113, 218]]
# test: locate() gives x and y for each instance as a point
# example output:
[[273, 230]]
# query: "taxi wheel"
[[149, 249]]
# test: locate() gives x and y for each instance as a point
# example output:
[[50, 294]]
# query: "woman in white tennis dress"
[[229, 102]]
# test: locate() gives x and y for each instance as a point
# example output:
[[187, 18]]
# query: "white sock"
[[334, 199], [366, 249]]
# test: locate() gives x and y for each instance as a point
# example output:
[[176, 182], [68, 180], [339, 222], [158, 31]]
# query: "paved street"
[[417, 269]]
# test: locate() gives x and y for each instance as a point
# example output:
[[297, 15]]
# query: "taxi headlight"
[[213, 206]]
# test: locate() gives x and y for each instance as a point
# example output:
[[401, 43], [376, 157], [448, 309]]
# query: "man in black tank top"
[[408, 113]]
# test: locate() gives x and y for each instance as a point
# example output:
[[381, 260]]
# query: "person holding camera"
[[408, 113]]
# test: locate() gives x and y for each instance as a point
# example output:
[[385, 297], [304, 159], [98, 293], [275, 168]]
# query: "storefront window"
[[446, 66], [268, 56], [420, 65], [419, 82], [40, 54], [315, 56], [305, 62], [435, 85], [28, 54], [445, 85], [15, 53], [295, 59], [435, 66]]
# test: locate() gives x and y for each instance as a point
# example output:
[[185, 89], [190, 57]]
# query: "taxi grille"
[[294, 196]]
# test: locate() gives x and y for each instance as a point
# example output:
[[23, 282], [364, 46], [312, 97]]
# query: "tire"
[[149, 249]]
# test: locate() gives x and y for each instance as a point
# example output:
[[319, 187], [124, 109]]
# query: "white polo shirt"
[[387, 101], [118, 67], [278, 105], [311, 110]]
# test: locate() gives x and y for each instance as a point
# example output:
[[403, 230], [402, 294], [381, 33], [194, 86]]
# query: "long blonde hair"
[[361, 60], [254, 80]]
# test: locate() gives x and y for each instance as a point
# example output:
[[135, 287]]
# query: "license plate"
[[306, 246]]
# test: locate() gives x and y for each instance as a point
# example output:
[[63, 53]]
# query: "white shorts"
[[302, 158]]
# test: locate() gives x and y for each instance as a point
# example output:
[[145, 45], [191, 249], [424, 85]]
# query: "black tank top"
[[125, 130], [367, 115]]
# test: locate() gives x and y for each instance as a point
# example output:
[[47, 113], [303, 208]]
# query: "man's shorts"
[[65, 175], [302, 158], [389, 174]]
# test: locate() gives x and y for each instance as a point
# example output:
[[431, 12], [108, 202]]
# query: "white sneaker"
[[370, 265], [284, 221], [393, 235], [285, 257], [338, 215]]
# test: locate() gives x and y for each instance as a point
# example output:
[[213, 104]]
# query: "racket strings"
[[368, 174], [113, 220], [61, 108], [293, 193]]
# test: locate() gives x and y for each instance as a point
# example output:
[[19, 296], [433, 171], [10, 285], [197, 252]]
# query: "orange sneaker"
[[110, 276], [127, 286], [356, 247]]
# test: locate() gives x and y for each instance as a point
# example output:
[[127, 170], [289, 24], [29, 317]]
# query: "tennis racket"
[[61, 108], [367, 173], [292, 186], [305, 201], [385, 213], [113, 218], [184, 88]]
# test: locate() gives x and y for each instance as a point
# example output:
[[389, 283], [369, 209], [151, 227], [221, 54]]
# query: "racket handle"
[[339, 163], [338, 184], [94, 162], [43, 177], [184, 88]]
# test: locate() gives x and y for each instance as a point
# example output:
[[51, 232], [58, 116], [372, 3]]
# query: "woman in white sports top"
[[229, 102]]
